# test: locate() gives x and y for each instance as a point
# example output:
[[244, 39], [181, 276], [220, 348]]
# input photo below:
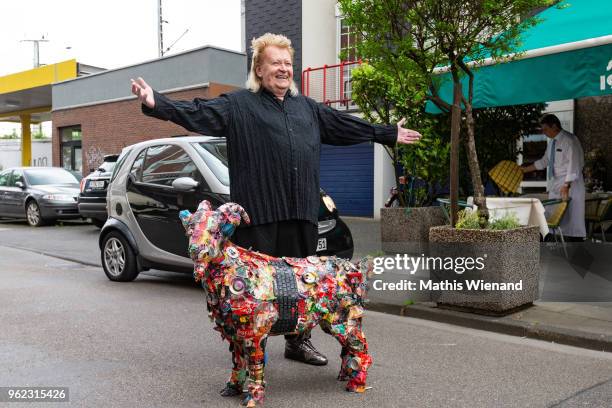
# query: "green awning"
[[567, 56]]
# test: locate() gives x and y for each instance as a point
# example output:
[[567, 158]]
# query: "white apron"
[[568, 164], [572, 223]]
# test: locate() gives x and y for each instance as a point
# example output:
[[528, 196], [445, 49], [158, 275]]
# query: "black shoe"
[[304, 351]]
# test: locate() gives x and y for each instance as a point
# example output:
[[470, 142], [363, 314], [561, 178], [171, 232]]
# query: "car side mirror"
[[19, 184], [185, 184]]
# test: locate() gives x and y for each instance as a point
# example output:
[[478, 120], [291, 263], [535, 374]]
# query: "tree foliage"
[[382, 100], [408, 40]]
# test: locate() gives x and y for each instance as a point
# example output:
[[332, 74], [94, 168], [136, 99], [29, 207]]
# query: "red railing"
[[330, 84]]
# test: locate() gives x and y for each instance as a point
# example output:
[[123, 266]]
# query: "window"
[[136, 170], [71, 153], [348, 39], [38, 177], [214, 154], [17, 176], [120, 160], [165, 163], [4, 178], [533, 147]]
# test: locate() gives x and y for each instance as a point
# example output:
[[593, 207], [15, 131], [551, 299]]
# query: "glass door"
[[72, 157]]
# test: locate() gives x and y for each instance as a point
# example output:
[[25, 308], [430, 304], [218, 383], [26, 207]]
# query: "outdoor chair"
[[507, 176], [555, 217], [598, 213]]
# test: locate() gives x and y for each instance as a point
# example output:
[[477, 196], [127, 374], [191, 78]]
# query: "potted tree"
[[421, 170], [420, 37]]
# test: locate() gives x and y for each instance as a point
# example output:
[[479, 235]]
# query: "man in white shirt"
[[564, 160]]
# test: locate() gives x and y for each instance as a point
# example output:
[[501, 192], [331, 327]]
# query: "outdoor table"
[[529, 211]]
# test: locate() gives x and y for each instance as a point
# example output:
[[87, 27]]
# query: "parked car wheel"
[[118, 259], [33, 215]]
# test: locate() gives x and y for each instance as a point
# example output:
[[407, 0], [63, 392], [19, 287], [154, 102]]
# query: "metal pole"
[[342, 90], [243, 25], [160, 28], [324, 83], [36, 57]]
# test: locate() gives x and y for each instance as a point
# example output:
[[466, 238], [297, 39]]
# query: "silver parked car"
[[38, 194]]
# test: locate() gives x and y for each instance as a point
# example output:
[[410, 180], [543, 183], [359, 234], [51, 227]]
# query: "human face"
[[550, 131], [275, 70]]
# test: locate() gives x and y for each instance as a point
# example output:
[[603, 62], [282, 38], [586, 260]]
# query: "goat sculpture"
[[251, 296]]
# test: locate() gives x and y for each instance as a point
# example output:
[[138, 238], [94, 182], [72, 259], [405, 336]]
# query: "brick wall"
[[107, 128], [278, 17], [593, 125]]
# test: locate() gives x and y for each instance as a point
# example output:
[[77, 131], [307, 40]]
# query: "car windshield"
[[107, 167], [37, 177], [214, 153]]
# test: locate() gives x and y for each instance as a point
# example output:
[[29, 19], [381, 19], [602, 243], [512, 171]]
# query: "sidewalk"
[[581, 324]]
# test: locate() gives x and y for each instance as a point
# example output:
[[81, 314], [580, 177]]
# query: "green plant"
[[426, 165], [468, 219], [507, 221], [384, 98], [497, 131], [408, 40], [12, 135]]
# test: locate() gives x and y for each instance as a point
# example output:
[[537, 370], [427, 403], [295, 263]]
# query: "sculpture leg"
[[255, 365], [237, 378]]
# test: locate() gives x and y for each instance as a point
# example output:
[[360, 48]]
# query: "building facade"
[[97, 115]]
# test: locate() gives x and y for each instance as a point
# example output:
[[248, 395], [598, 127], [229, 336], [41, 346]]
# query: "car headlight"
[[326, 226], [58, 197], [329, 203]]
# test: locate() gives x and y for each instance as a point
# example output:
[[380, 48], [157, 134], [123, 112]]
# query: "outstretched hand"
[[406, 136], [143, 91]]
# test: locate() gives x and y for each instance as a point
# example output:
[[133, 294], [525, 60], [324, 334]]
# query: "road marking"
[[5, 229]]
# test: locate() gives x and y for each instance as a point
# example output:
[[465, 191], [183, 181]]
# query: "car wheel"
[[118, 259], [33, 215], [98, 223]]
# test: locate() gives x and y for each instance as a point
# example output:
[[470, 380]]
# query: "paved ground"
[[148, 343], [563, 316]]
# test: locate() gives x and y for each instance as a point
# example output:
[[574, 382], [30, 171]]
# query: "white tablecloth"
[[529, 211]]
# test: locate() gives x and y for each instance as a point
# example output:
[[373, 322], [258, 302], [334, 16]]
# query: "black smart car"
[[153, 181]]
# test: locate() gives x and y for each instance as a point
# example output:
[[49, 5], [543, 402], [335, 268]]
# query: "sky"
[[110, 33]]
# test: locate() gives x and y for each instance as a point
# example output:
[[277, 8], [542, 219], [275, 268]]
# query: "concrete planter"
[[507, 257], [406, 230]]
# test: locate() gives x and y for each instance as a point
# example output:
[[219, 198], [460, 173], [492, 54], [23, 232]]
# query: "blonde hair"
[[258, 45]]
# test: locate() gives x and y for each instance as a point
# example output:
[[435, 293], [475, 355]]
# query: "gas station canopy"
[[29, 92]]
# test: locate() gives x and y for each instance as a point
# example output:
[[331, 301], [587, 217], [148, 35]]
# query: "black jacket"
[[273, 146]]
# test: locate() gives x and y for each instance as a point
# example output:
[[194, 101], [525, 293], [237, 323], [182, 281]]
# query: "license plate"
[[96, 184], [321, 244]]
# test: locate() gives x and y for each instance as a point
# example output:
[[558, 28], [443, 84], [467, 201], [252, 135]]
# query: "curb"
[[577, 338]]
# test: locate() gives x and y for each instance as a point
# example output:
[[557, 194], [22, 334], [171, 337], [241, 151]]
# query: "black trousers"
[[292, 238]]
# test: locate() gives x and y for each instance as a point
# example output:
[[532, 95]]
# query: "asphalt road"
[[77, 240], [149, 344]]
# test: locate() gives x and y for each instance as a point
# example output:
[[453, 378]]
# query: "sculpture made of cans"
[[251, 296]]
